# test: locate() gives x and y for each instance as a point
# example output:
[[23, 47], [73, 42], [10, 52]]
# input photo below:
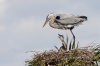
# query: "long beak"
[[47, 20]]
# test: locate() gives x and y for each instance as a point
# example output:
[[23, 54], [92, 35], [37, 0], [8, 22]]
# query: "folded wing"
[[69, 19]]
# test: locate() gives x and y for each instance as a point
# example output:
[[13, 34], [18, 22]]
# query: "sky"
[[21, 29]]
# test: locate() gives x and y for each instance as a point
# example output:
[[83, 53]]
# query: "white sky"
[[21, 26]]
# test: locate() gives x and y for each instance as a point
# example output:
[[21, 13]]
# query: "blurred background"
[[21, 29]]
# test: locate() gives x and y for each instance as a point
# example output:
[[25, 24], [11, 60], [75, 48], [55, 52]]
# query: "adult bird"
[[64, 21]]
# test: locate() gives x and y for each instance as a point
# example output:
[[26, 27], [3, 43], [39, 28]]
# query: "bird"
[[64, 21]]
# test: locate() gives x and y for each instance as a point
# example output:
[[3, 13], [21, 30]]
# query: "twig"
[[63, 42]]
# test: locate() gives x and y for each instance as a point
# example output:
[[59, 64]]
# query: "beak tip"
[[45, 23]]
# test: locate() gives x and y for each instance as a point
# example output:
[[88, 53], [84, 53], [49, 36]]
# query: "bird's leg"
[[66, 39], [72, 34], [73, 39]]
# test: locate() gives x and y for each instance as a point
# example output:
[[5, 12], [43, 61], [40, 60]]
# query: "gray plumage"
[[64, 21]]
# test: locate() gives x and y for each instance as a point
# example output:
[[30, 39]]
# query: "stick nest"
[[75, 57]]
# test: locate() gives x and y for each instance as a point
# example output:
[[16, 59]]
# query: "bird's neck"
[[54, 25]]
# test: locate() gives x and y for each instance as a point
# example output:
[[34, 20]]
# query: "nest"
[[76, 57], [86, 56]]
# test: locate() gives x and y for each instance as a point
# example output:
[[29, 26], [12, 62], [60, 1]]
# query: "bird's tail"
[[83, 17]]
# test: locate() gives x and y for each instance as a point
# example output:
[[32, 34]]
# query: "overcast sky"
[[21, 26]]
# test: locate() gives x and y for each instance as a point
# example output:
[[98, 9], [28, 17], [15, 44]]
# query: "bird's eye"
[[57, 17]]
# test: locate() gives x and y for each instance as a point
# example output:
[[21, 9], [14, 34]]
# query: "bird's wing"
[[67, 19]]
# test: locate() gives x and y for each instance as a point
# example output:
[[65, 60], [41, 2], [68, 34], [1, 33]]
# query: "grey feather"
[[69, 19]]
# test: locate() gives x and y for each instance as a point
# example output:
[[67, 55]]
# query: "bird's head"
[[48, 19]]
